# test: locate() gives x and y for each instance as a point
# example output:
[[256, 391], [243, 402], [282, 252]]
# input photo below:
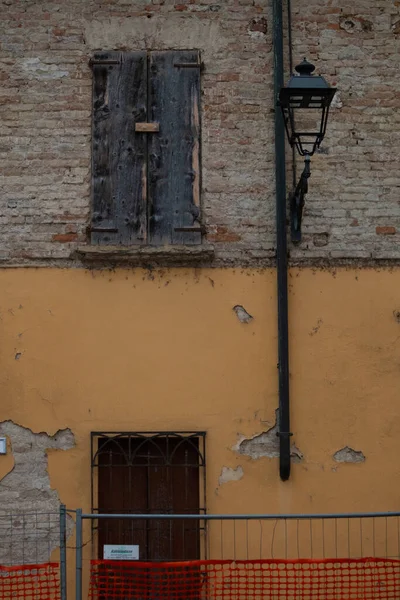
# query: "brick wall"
[[353, 207]]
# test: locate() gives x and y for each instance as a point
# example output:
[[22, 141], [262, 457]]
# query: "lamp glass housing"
[[305, 103]]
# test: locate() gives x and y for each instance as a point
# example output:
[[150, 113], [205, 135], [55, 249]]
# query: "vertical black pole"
[[63, 552], [78, 555], [281, 251]]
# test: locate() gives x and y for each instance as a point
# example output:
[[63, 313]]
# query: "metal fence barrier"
[[270, 554], [188, 557], [28, 537], [27, 541]]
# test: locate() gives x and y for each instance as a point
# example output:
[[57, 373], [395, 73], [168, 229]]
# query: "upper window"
[[146, 148]]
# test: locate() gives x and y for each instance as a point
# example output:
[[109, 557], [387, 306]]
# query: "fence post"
[[78, 556], [63, 552]]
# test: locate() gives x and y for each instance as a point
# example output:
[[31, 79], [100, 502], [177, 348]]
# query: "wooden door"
[[154, 475]]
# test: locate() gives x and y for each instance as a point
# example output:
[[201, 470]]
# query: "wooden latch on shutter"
[[147, 127]]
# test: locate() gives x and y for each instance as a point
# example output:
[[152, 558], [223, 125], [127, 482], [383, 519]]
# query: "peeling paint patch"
[[396, 27], [295, 454], [242, 314], [36, 69], [355, 24], [27, 491], [266, 444], [337, 101], [348, 455], [230, 474], [321, 239]]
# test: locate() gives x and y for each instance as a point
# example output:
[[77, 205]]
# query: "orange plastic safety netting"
[[30, 582], [334, 579]]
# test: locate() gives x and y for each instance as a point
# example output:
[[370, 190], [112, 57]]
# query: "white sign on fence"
[[121, 552]]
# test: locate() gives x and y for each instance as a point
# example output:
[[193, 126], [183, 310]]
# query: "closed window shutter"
[[119, 169], [174, 152]]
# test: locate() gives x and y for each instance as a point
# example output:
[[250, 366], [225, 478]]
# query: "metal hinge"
[[189, 65], [199, 229], [105, 61], [103, 229]]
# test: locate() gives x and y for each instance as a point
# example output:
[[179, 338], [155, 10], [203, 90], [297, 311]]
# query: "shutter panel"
[[119, 168], [174, 152]]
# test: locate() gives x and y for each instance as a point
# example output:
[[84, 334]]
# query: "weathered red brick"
[[260, 25], [223, 234], [385, 230], [64, 238]]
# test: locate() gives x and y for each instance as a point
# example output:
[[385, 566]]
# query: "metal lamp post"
[[305, 103]]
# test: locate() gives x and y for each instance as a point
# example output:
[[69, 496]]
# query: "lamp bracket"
[[297, 201]]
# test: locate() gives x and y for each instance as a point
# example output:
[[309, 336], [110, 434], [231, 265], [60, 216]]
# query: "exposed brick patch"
[[26, 488], [348, 455], [266, 444]]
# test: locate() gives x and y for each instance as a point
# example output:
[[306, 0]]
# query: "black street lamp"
[[305, 103]]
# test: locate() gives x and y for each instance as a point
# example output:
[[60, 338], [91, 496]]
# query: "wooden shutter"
[[174, 161], [119, 168]]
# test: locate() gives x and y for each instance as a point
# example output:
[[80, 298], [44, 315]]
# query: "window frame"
[[181, 437]]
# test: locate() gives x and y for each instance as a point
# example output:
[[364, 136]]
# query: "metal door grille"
[[149, 473]]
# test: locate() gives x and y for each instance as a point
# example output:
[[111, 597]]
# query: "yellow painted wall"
[[138, 350]]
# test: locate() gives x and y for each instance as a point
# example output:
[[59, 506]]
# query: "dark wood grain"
[[174, 153], [121, 489], [119, 167], [150, 485]]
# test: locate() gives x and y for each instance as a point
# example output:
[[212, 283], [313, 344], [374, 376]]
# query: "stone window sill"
[[146, 255]]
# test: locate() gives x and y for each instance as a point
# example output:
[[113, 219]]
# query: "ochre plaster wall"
[[140, 350]]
